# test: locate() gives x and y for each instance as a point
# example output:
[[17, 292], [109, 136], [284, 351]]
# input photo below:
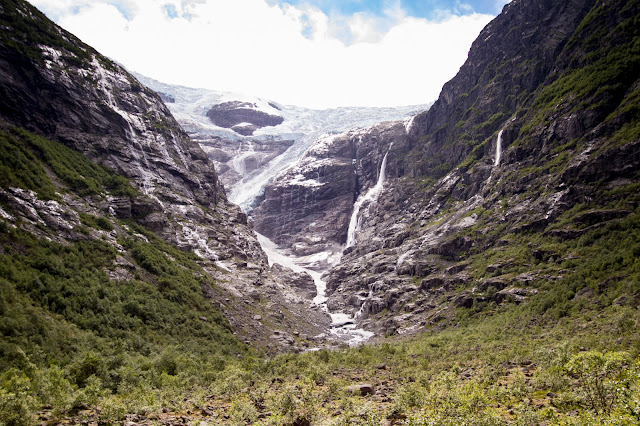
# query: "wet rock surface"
[[452, 191], [309, 206], [235, 159], [69, 93]]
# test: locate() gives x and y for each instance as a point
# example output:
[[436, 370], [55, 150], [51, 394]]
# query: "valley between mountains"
[[172, 255]]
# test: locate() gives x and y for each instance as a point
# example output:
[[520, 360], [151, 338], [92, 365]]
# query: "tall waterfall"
[[498, 148], [371, 195]]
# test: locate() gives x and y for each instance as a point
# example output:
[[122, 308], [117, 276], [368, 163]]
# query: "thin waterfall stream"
[[498, 148], [370, 196], [343, 325]]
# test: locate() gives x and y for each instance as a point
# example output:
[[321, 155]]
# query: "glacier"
[[303, 126]]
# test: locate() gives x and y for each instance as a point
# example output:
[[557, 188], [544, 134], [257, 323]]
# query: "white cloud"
[[289, 54]]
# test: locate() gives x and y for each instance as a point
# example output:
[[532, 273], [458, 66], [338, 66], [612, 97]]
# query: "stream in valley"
[[343, 326]]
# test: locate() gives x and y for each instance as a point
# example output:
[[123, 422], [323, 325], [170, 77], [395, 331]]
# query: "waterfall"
[[370, 196], [364, 302], [498, 148]]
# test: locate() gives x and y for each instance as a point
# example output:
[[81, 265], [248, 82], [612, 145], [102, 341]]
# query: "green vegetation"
[[61, 314], [97, 222], [601, 76], [26, 155], [124, 325], [23, 31], [80, 332], [87, 321], [20, 168]]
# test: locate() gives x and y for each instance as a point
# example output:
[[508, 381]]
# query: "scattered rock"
[[361, 389]]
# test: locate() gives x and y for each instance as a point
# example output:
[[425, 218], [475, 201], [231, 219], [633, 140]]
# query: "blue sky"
[[429, 9]]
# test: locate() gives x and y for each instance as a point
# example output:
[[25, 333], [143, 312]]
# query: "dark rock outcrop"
[[241, 117]]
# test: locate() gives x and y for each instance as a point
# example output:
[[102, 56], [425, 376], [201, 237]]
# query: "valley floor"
[[514, 367]]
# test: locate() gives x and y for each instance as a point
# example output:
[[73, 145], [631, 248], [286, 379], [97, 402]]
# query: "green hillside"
[[104, 322], [71, 331]]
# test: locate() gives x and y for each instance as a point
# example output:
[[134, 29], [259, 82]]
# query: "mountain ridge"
[[66, 92], [449, 183]]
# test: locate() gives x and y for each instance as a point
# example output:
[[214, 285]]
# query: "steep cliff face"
[[54, 86], [308, 207], [511, 58], [531, 164], [531, 147]]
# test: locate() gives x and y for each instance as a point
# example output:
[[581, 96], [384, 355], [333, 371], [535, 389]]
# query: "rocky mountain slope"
[[490, 195], [55, 87]]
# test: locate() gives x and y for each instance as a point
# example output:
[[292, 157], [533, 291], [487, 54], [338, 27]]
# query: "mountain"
[[93, 161], [491, 243], [248, 151], [490, 196]]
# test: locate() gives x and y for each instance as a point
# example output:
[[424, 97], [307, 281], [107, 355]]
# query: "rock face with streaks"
[[53, 85], [235, 159], [308, 207], [480, 186]]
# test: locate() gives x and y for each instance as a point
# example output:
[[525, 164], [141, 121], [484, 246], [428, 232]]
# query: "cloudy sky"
[[315, 53]]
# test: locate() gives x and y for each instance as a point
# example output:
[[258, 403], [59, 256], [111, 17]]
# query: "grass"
[[26, 156]]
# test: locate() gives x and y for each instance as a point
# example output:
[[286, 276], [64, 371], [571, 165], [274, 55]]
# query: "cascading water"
[[342, 325], [498, 149], [364, 302], [147, 178], [354, 224], [371, 196]]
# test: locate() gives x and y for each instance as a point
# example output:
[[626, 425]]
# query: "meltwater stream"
[[370, 196], [343, 326], [498, 149]]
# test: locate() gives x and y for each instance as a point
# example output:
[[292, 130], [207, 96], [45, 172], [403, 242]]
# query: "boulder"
[[363, 389]]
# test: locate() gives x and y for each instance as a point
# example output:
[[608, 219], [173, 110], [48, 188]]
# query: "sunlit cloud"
[[295, 54]]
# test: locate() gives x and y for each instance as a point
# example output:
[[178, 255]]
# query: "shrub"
[[603, 378], [16, 403]]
